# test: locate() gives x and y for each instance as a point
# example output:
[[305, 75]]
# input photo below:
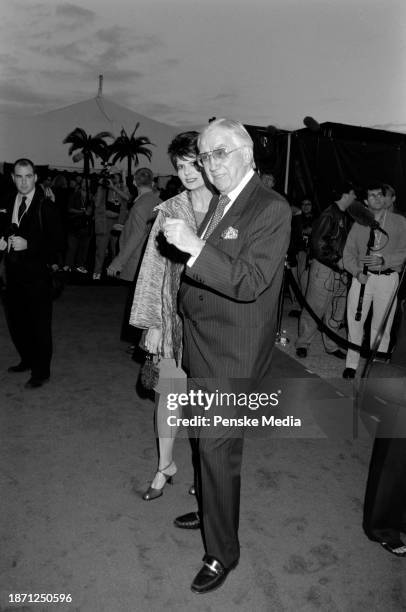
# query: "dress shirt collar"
[[233, 195], [28, 198]]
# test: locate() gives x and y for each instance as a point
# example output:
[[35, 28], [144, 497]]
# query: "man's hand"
[[181, 235], [18, 243], [3, 244], [114, 268], [362, 278], [374, 262]]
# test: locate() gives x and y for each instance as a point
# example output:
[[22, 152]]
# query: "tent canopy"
[[40, 137]]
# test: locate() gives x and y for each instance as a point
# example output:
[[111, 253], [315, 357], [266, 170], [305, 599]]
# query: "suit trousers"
[[29, 318], [217, 459], [379, 291]]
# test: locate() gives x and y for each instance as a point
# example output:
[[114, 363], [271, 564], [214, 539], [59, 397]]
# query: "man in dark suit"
[[228, 302], [30, 244]]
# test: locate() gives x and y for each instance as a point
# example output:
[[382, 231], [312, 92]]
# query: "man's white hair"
[[235, 127]]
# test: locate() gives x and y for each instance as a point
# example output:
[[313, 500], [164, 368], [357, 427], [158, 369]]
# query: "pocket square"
[[230, 233]]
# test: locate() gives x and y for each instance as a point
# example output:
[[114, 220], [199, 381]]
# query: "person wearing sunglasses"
[[228, 302]]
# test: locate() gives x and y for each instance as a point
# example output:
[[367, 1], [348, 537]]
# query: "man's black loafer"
[[212, 575], [190, 520], [395, 548]]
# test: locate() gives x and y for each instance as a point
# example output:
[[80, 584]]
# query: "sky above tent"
[[184, 61]]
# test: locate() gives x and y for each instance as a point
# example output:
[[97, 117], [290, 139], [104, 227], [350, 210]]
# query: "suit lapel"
[[231, 216], [236, 209]]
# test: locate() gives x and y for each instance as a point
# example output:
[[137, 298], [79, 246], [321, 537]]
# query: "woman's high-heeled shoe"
[[153, 493]]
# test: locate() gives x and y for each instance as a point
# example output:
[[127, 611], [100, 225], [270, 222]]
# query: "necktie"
[[22, 208], [217, 215]]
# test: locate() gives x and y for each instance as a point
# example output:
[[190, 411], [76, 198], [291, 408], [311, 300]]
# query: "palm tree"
[[88, 147], [129, 148]]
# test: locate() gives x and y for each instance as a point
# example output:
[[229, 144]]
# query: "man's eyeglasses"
[[216, 154], [376, 196]]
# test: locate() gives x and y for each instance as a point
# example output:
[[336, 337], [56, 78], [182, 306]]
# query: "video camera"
[[105, 174], [112, 203]]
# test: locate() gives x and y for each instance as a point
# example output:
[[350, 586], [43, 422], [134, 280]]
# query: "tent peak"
[[100, 91]]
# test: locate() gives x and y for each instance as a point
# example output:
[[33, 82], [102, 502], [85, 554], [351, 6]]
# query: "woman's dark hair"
[[183, 145]]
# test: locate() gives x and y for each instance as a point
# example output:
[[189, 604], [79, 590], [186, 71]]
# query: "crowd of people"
[[205, 269], [348, 259], [93, 212]]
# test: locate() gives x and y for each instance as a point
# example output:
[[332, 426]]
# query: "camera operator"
[[327, 285], [110, 209], [377, 267]]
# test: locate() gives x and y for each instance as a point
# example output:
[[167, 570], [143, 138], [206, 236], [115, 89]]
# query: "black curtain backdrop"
[[319, 159]]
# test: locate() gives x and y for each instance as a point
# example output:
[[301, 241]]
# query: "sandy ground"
[[76, 454]]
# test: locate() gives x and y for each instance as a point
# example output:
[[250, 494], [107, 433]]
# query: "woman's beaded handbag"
[[149, 373]]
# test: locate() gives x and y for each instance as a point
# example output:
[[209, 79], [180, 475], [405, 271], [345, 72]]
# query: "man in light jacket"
[[133, 239]]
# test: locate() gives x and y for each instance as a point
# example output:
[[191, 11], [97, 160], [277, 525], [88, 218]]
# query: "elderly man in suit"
[[30, 244], [228, 302]]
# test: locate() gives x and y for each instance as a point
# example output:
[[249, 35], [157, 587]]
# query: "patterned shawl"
[[155, 297]]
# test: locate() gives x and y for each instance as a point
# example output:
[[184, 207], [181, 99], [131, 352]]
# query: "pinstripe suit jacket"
[[228, 299]]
